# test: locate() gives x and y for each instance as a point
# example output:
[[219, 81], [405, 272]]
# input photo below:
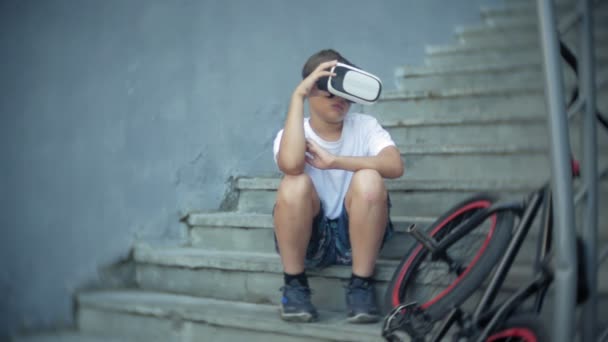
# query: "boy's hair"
[[320, 57]]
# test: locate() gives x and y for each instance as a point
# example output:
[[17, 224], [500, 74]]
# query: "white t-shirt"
[[362, 136]]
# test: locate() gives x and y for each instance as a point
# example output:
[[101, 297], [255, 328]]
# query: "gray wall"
[[117, 117]]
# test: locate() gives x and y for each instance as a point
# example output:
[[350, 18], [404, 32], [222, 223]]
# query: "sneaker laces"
[[360, 290], [298, 292]]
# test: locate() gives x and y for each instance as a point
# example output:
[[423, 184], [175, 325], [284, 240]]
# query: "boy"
[[332, 205]]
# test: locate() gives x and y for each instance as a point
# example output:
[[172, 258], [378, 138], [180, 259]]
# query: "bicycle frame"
[[486, 317]]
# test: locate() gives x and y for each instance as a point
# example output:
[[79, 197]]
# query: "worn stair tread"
[[459, 48], [501, 28], [499, 46], [246, 221], [497, 28], [518, 8], [489, 38], [471, 119], [188, 257], [478, 91], [237, 315], [196, 258], [400, 95], [470, 116], [66, 336], [433, 70], [423, 71], [264, 221], [272, 183], [464, 73], [471, 149], [524, 19]]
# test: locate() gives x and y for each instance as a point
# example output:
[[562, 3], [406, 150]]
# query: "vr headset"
[[352, 83]]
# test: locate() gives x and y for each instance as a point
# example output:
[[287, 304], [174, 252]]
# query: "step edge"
[[427, 71], [402, 96], [515, 119], [271, 263], [460, 48], [197, 258], [228, 318], [198, 220], [271, 183]]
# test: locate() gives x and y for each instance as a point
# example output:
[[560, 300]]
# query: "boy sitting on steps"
[[332, 206]]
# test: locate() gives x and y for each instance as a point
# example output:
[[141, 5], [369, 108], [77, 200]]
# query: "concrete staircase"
[[471, 119]]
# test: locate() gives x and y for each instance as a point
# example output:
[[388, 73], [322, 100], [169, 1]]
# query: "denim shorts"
[[330, 242]]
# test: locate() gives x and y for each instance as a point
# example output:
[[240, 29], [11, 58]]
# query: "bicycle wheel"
[[431, 283], [523, 327]]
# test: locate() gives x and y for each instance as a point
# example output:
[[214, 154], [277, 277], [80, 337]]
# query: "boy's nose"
[[341, 100]]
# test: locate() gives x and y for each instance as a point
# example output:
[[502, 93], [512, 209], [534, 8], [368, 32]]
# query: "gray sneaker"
[[295, 304], [361, 302]]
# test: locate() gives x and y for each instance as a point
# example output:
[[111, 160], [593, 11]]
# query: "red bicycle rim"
[[523, 333], [474, 205]]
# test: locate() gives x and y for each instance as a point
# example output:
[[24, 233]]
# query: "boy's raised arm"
[[290, 158], [292, 148]]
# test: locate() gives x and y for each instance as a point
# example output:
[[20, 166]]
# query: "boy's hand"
[[321, 159], [304, 88]]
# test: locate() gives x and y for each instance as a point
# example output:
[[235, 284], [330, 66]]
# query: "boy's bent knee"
[[296, 188], [370, 184], [368, 175]]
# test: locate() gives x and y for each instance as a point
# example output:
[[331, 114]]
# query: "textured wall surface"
[[117, 117]]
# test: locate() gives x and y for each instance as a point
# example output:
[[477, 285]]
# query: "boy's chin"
[[335, 117]]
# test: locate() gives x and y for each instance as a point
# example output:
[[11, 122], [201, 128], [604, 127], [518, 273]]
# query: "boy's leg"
[[296, 206], [367, 207], [366, 204]]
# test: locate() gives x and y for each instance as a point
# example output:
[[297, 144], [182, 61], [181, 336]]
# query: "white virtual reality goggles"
[[352, 83]]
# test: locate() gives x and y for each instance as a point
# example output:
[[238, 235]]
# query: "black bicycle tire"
[[527, 326], [460, 290]]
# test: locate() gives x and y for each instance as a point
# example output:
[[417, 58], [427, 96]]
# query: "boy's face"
[[330, 108]]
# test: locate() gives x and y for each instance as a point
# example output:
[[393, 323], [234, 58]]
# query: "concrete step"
[[246, 232], [257, 277], [497, 54], [529, 21], [503, 17], [67, 336], [521, 8], [391, 116], [493, 39], [476, 162], [461, 48], [409, 197], [421, 78], [526, 26], [149, 316], [413, 200], [483, 34], [527, 99], [460, 100], [250, 232], [509, 20], [528, 132], [239, 276], [511, 10]]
